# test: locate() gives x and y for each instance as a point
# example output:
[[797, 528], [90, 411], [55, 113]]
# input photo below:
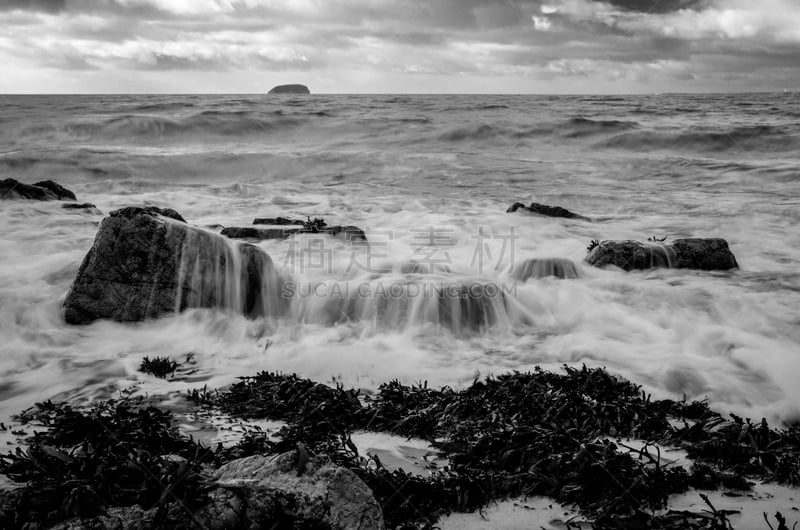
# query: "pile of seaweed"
[[537, 433], [115, 454]]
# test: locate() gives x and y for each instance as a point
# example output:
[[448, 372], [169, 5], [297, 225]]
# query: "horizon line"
[[669, 93]]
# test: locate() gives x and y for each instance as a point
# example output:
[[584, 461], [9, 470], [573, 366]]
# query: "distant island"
[[290, 89]]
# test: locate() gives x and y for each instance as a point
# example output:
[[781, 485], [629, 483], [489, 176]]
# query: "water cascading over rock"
[[462, 307], [543, 268], [146, 262]]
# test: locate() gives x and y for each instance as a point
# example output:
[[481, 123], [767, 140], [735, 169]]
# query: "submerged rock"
[[146, 262], [290, 89], [46, 190], [543, 209], [76, 206], [462, 307], [316, 492], [544, 267], [695, 253], [86, 207]]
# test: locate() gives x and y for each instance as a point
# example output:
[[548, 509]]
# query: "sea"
[[429, 179]]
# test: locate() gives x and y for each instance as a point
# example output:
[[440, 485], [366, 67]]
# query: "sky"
[[399, 46]]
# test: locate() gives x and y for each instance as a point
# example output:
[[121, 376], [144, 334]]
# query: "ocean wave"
[[473, 132], [577, 127], [150, 126], [572, 128], [749, 138]]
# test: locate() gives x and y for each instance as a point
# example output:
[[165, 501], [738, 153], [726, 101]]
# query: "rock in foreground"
[[548, 211], [46, 190], [290, 89], [695, 253], [317, 492], [146, 262]]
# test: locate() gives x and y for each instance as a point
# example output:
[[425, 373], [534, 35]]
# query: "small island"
[[290, 89]]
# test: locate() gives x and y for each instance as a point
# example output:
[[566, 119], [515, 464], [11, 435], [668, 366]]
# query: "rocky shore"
[[563, 436]]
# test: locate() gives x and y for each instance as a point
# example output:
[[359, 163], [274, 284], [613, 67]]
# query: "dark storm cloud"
[[50, 6], [656, 6]]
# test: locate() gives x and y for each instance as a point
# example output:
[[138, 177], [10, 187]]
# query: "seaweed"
[[537, 433], [518, 434], [115, 454], [314, 225], [160, 367]]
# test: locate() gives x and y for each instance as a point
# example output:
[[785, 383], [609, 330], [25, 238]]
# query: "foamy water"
[[429, 179]]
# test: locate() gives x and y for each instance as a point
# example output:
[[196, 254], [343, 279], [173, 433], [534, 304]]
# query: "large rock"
[[290, 89], [146, 262], [316, 492], [544, 267], [696, 253], [47, 190], [543, 209]]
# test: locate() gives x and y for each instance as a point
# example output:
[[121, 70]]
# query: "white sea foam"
[[733, 338]]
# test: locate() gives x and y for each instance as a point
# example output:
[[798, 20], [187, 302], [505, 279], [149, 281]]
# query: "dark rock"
[[133, 211], [86, 207], [702, 254], [41, 191], [248, 232], [146, 262], [60, 191], [76, 206], [290, 89], [348, 233], [543, 209], [277, 221], [544, 267], [319, 494], [225, 511]]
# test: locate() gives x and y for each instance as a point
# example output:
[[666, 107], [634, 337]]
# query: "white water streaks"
[[435, 215]]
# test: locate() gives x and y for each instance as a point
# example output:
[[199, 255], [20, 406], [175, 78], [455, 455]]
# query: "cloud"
[[528, 43], [50, 6]]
